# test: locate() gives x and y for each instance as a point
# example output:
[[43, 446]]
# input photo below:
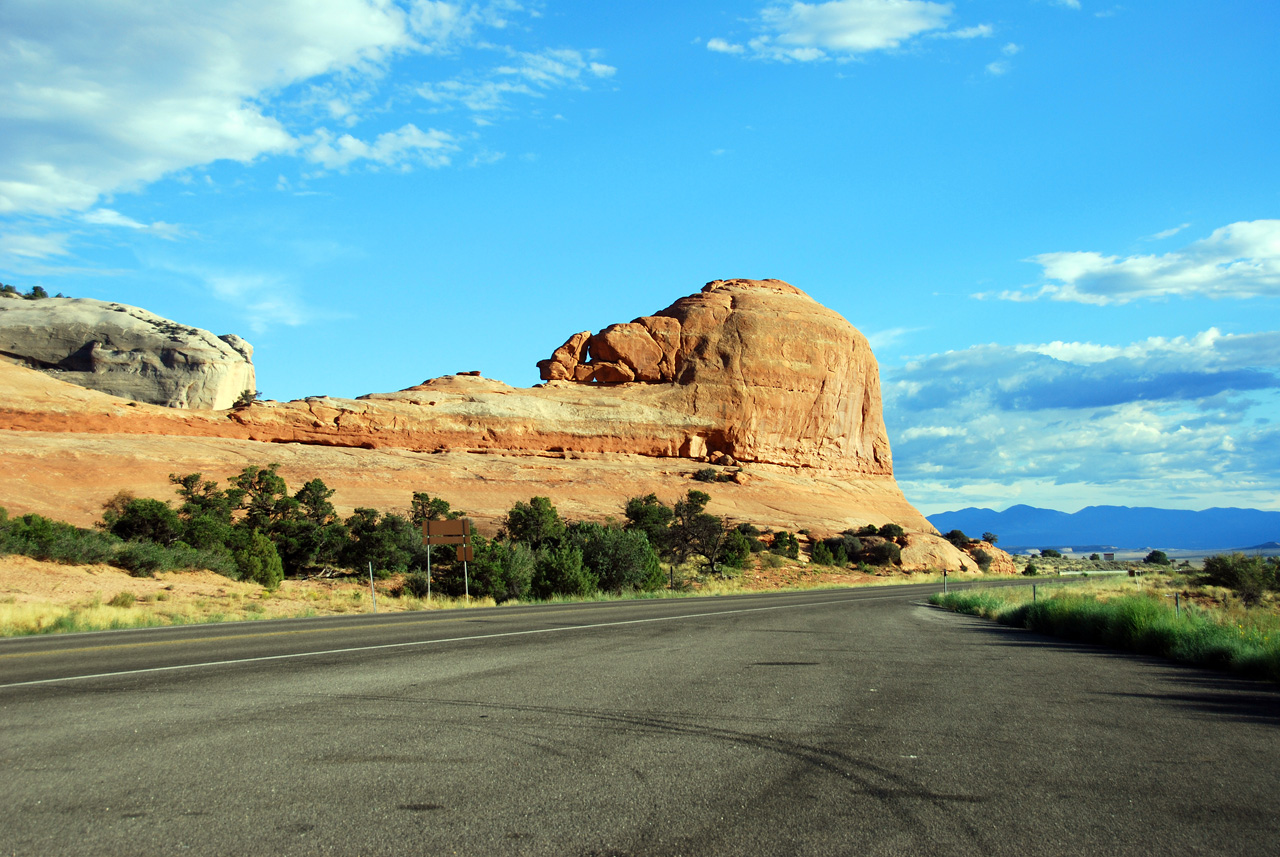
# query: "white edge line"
[[418, 643]]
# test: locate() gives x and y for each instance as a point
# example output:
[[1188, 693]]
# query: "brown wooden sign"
[[455, 532]]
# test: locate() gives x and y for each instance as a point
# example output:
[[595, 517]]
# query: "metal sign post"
[[373, 592]]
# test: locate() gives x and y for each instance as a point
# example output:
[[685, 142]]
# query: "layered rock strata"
[[782, 379], [127, 352], [752, 376]]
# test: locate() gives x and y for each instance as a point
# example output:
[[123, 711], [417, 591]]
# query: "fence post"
[[373, 592], [1033, 593]]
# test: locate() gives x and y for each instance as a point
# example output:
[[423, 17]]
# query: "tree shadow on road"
[[1214, 694]]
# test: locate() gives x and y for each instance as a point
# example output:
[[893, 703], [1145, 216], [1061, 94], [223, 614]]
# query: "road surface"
[[834, 722]]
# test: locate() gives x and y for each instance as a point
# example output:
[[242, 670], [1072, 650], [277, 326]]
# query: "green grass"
[[1243, 641]]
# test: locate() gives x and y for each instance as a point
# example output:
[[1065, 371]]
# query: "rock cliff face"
[[783, 379], [753, 376], [127, 352]]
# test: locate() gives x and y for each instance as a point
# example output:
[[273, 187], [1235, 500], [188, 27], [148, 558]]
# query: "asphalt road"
[[837, 722]]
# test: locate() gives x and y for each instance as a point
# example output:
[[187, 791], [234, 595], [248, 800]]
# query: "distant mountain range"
[[1119, 526]]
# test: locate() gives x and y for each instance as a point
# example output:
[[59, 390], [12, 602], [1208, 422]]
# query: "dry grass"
[[41, 597]]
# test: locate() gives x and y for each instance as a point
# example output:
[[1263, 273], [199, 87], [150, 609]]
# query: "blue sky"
[[1058, 221]]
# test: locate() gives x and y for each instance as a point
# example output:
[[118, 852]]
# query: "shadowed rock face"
[[127, 352], [783, 379]]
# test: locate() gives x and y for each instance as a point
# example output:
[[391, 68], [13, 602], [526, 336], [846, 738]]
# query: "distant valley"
[[1095, 527]]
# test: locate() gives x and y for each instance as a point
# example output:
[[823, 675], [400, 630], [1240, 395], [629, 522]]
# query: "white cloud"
[[722, 47], [805, 32], [82, 123], [527, 74], [1011, 49], [1162, 419], [1168, 233], [111, 217], [981, 31], [105, 96], [1241, 260], [393, 148], [997, 68], [25, 246]]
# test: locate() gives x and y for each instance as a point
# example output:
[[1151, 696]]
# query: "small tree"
[[785, 544], [958, 538], [536, 523], [1157, 557], [258, 561], [990, 538], [822, 554], [652, 517], [1051, 552], [148, 520]]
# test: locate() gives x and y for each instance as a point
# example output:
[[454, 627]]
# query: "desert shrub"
[[1249, 576], [122, 599], [1093, 557], [736, 549], [706, 474], [751, 533], [502, 570], [417, 585], [622, 560], [1051, 552], [258, 561], [839, 557], [983, 559], [246, 398], [958, 538], [536, 523], [770, 560], [891, 531], [867, 530], [41, 538], [143, 559], [559, 571], [218, 559], [390, 543], [147, 520], [1031, 570], [990, 538], [650, 516], [822, 554], [785, 544], [884, 553], [1157, 558]]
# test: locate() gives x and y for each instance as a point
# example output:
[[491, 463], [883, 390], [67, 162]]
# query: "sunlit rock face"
[[778, 377], [127, 352]]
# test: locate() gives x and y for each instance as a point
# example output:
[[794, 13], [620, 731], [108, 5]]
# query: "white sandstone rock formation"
[[127, 352]]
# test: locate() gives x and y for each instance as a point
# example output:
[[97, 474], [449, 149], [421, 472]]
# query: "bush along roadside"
[[1138, 623]]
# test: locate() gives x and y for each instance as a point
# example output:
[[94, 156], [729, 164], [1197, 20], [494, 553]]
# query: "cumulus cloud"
[[103, 96], [1241, 260], [394, 148], [841, 29], [722, 47], [1163, 417]]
